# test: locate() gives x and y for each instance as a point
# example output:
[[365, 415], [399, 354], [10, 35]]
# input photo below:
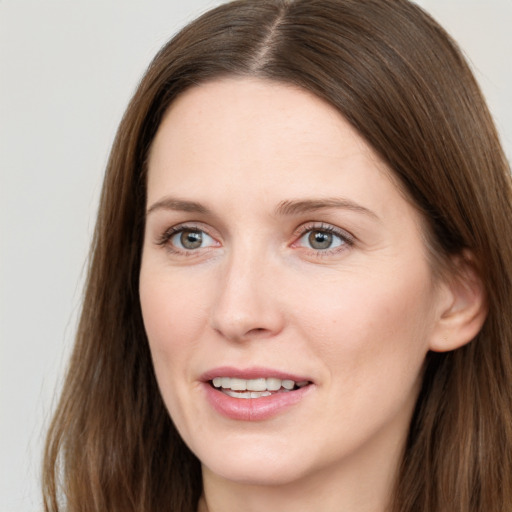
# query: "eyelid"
[[163, 239], [346, 236]]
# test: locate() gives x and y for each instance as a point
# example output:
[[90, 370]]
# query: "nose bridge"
[[246, 305]]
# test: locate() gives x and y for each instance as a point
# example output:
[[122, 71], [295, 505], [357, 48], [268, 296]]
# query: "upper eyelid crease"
[[321, 226], [180, 228], [345, 235]]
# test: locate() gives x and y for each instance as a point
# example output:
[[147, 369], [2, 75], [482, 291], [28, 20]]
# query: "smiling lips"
[[255, 388], [255, 394]]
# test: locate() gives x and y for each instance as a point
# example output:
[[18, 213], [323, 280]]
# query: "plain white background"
[[67, 71]]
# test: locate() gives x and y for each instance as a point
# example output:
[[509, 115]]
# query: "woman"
[[300, 284]]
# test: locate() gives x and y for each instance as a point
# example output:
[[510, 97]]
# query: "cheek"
[[173, 311], [371, 324], [371, 336], [174, 320]]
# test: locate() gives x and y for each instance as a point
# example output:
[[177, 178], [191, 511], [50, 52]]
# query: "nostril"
[[256, 332]]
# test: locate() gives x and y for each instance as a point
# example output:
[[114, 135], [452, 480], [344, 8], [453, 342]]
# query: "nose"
[[247, 304]]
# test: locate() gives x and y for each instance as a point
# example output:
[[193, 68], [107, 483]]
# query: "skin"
[[357, 319]]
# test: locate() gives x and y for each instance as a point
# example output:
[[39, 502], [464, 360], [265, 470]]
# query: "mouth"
[[255, 388], [256, 393]]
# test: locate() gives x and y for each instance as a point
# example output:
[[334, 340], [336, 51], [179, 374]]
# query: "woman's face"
[[279, 254]]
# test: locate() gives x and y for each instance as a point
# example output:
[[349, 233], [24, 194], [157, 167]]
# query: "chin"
[[258, 467]]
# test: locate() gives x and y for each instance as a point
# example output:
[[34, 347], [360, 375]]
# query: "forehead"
[[259, 105], [255, 128]]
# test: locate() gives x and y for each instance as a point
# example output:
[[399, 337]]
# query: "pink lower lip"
[[253, 409]]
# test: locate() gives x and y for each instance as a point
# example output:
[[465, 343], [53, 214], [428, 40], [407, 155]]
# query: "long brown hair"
[[397, 77]]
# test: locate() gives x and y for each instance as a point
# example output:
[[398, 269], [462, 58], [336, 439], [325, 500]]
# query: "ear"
[[463, 306]]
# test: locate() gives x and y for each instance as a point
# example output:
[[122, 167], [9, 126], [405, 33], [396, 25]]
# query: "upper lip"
[[254, 372]]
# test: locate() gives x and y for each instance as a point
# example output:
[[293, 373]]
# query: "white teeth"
[[247, 394], [273, 384], [257, 394], [238, 384], [255, 385], [236, 394], [288, 384]]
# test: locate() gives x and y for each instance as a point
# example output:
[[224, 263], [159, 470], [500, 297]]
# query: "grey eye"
[[321, 240], [189, 239]]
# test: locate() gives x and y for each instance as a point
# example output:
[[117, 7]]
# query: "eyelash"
[[347, 240], [167, 235]]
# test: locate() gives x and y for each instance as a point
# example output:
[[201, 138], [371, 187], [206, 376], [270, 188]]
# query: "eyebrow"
[[170, 203], [284, 208], [312, 205]]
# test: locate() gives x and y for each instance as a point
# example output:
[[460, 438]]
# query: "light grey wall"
[[67, 70]]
